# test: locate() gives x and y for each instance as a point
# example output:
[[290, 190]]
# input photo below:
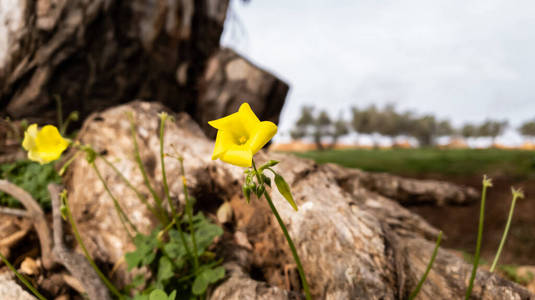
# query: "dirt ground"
[[460, 223]]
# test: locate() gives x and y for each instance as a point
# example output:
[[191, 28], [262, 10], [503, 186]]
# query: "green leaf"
[[165, 269], [190, 205], [199, 217], [147, 241], [216, 274], [284, 189], [31, 177], [138, 280], [145, 250], [205, 234], [175, 248], [172, 296], [133, 259], [149, 258], [179, 262], [158, 295], [207, 277], [200, 284], [141, 297], [269, 164]]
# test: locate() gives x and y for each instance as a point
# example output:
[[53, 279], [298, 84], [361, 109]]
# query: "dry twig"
[[36, 215], [17, 212], [75, 263]]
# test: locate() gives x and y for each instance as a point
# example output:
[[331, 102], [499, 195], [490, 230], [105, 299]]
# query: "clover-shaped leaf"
[[207, 277]]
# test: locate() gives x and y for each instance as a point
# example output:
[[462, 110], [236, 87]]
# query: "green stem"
[[478, 243], [76, 233], [207, 266], [166, 229], [167, 194], [157, 199], [291, 244], [504, 237], [183, 240], [132, 187], [189, 212], [68, 163], [159, 238], [73, 116], [59, 110], [429, 265], [21, 277], [287, 236], [122, 216], [164, 176]]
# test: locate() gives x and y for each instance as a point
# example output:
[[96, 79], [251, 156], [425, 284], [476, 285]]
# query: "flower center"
[[242, 140]]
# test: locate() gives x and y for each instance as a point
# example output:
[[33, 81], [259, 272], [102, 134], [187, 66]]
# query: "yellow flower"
[[240, 135], [44, 145]]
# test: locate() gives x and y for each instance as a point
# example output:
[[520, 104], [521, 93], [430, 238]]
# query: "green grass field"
[[448, 162]]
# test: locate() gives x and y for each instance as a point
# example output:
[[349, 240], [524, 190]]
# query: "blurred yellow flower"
[[240, 135], [44, 145]]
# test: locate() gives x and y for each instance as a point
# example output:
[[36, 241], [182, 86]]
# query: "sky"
[[465, 61]]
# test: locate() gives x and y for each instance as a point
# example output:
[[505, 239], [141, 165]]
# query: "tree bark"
[[230, 80], [94, 54], [354, 242]]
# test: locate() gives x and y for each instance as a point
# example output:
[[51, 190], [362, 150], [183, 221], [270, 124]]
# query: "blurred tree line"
[[388, 122]]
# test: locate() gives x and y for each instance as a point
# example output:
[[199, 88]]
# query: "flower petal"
[[32, 155], [263, 132], [225, 122], [29, 137], [45, 157], [240, 123], [223, 141], [248, 118], [49, 144], [238, 155]]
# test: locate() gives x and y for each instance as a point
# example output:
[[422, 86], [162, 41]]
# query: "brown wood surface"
[[94, 54], [355, 243]]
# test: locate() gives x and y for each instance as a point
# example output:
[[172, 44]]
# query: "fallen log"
[[354, 242]]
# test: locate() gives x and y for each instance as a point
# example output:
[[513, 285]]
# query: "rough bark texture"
[[411, 191], [229, 80], [97, 53], [11, 134], [354, 243]]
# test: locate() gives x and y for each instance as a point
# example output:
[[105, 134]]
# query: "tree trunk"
[[354, 239], [93, 54], [334, 141], [317, 141]]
